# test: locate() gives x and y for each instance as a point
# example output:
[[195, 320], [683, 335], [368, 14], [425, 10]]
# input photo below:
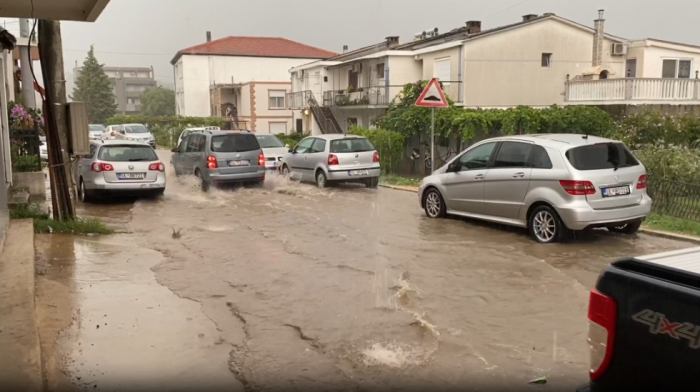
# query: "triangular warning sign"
[[432, 96]]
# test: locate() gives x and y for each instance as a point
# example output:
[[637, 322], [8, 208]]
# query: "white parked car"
[[110, 133], [273, 149], [43, 148], [135, 132], [187, 131]]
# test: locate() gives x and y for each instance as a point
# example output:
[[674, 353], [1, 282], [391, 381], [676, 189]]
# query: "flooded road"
[[290, 286]]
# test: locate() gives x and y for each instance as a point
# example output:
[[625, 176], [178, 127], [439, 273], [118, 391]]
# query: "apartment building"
[[128, 84], [245, 79]]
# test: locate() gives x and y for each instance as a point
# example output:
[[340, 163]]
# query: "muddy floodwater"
[[291, 286]]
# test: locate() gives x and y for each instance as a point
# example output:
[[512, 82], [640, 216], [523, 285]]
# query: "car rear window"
[[96, 127], [118, 153], [351, 145], [234, 143], [601, 156]]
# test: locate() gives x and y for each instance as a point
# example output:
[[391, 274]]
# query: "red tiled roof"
[[256, 47]]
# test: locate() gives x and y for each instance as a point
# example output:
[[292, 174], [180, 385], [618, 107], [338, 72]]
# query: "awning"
[[74, 10]]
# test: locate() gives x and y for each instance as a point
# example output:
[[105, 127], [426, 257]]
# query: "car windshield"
[[351, 145], [269, 141], [119, 153], [135, 129], [601, 156], [96, 128], [234, 143]]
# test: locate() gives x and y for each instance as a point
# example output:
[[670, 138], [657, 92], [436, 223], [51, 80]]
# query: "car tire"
[[630, 228], [434, 204], [546, 227], [321, 179], [203, 184], [372, 183], [84, 194]]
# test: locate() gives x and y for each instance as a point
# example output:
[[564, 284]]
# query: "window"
[[353, 80], [116, 153], [352, 121], [354, 144], [477, 158], [513, 154], [674, 68], [319, 146], [601, 156], [546, 60], [443, 70], [540, 158], [380, 71], [195, 143], [304, 146], [278, 127], [277, 99], [269, 141], [240, 142]]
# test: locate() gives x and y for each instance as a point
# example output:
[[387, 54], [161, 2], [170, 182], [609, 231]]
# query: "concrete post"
[[28, 94]]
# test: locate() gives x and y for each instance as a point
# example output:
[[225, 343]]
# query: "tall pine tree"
[[94, 88]]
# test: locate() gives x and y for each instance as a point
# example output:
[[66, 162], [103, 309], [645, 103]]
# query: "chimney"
[[345, 48], [598, 40], [208, 36], [548, 14], [473, 26], [392, 41], [529, 17]]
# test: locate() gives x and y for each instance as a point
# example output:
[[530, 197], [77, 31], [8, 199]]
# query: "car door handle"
[[518, 175], [479, 177]]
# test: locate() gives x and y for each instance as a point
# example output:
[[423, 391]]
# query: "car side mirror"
[[175, 150], [291, 151], [454, 167]]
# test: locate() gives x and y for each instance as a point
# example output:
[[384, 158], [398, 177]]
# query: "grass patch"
[[400, 181], [44, 224], [671, 224]]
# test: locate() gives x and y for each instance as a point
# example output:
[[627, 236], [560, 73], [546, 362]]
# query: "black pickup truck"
[[644, 324]]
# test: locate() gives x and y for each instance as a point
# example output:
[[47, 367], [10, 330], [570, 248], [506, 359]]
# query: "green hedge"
[[171, 121], [389, 145]]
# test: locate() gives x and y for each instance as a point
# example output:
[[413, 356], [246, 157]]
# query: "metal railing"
[[677, 199], [633, 89], [299, 99], [363, 96]]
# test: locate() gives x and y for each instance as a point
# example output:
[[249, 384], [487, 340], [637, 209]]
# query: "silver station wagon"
[[551, 184]]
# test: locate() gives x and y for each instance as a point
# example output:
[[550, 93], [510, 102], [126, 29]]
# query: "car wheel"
[[434, 204], [630, 228], [546, 227], [84, 194], [203, 184], [372, 183], [321, 180]]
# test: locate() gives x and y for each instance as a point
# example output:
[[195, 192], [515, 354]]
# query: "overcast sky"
[[150, 32]]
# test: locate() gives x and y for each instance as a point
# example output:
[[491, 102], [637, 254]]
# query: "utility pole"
[[25, 58], [51, 53]]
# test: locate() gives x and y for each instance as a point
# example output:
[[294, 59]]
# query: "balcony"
[[363, 96], [633, 91]]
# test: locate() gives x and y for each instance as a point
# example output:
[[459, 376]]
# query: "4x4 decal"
[[660, 325]]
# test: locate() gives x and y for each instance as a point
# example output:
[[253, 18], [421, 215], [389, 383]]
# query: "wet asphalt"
[[291, 286]]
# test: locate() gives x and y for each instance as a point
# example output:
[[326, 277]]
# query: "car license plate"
[[131, 176], [239, 163], [358, 172], [616, 191]]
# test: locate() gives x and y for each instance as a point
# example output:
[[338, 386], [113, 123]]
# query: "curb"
[[651, 232]]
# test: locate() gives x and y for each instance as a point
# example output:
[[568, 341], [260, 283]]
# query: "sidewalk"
[[20, 362], [656, 233]]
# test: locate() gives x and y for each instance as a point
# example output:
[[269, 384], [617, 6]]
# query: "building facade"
[[244, 78], [128, 84]]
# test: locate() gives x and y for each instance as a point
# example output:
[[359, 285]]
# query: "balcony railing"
[[639, 90], [363, 96], [299, 99]]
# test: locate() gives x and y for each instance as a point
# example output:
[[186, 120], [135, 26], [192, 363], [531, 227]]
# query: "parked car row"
[[134, 132]]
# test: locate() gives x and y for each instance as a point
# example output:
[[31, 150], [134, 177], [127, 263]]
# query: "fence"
[[677, 199], [25, 149]]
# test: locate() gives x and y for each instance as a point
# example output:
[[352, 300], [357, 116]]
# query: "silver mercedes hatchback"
[[551, 184]]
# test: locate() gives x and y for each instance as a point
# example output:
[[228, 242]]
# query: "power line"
[[507, 8], [130, 53]]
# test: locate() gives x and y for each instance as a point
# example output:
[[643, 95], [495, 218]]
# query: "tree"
[[95, 89], [158, 101]]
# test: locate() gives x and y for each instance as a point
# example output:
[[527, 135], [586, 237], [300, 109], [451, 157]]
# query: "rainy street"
[[291, 286]]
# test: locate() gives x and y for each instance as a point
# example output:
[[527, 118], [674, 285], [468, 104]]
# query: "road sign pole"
[[432, 141]]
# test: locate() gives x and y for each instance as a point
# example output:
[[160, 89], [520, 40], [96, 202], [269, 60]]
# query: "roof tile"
[[258, 47]]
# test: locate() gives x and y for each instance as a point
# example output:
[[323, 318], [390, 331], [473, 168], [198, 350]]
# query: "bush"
[[292, 139], [165, 135], [389, 145], [674, 163], [25, 163], [172, 121]]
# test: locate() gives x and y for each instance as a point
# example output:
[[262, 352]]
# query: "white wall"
[[650, 60], [504, 69], [199, 72]]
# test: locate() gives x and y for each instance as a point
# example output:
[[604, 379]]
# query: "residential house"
[[242, 78], [128, 84], [524, 63], [656, 72]]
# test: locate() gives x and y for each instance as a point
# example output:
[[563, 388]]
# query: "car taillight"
[[261, 160], [156, 167], [642, 182], [602, 319], [333, 160], [375, 158], [101, 166], [578, 188], [211, 162]]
